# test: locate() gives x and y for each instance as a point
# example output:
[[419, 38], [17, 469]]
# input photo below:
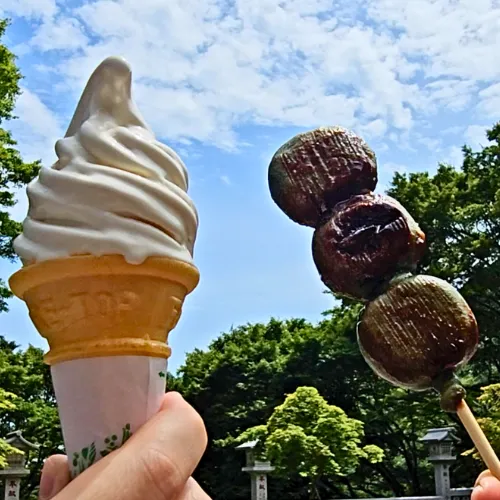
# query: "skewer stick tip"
[[481, 442]]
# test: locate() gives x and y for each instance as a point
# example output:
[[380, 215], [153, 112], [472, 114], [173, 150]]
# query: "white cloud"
[[225, 180], [431, 143], [390, 168], [376, 128], [490, 101], [59, 34], [454, 37], [452, 94], [20, 209], [210, 68], [453, 156], [453, 130], [205, 67], [35, 131], [475, 136], [28, 8]]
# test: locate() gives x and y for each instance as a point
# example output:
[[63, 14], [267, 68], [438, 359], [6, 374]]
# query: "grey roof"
[[248, 445], [17, 440], [442, 434]]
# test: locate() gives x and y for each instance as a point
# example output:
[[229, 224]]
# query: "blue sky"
[[225, 83]]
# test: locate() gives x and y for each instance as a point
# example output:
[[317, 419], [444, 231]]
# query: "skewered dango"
[[417, 334], [415, 331], [315, 170], [364, 243]]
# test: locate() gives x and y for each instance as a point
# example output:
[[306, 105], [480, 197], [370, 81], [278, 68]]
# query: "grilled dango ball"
[[417, 334], [315, 170], [364, 243]]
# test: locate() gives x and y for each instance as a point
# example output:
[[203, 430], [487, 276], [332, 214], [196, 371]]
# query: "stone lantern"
[[16, 464], [441, 455], [257, 469]]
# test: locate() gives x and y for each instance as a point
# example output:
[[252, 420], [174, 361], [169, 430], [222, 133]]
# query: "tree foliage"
[[7, 402], [14, 173], [31, 408], [459, 210], [307, 436], [488, 409], [245, 374]]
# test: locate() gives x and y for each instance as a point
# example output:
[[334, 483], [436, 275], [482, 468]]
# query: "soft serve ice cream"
[[107, 250], [114, 189]]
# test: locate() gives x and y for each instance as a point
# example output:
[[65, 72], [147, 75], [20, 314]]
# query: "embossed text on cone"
[[89, 306]]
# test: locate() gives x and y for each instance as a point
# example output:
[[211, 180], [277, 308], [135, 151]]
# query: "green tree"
[[488, 409], [14, 173], [244, 374], [459, 210], [33, 409], [6, 403], [307, 436]]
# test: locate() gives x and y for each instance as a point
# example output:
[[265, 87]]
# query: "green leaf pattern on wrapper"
[[86, 457], [163, 373], [111, 441]]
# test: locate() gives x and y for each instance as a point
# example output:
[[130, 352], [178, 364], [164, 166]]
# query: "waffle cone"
[[88, 306]]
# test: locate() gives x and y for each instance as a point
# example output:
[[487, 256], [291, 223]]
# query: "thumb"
[[487, 487], [55, 476], [155, 463]]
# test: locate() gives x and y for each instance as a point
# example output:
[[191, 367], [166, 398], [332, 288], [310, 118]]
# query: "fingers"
[[193, 491], [487, 487], [155, 463], [55, 476]]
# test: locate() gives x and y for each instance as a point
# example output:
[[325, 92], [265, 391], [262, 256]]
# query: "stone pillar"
[[258, 471], [442, 479], [12, 487], [259, 486], [16, 467], [441, 455]]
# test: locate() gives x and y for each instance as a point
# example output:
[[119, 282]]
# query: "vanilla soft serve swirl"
[[114, 189]]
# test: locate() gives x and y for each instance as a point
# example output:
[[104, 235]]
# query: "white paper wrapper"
[[102, 401]]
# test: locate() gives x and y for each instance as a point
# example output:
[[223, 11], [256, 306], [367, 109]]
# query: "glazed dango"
[[364, 243], [315, 170], [417, 334]]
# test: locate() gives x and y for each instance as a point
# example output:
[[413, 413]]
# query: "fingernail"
[[46, 486]]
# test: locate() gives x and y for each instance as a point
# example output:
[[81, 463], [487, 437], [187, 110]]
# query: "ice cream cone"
[[88, 306], [107, 248], [107, 323]]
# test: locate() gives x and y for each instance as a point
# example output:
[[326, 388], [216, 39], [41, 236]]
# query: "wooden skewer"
[[481, 442]]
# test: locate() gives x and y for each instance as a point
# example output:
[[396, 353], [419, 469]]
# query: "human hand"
[[155, 463], [487, 487]]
